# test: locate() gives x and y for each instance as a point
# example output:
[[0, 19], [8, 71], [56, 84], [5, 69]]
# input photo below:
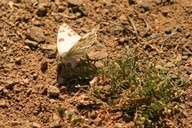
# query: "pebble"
[[121, 40], [75, 2], [168, 30], [15, 123], [63, 89], [61, 9], [127, 118], [1, 88], [49, 49], [144, 4], [165, 11], [53, 91], [93, 115], [85, 126], [98, 121], [123, 18], [57, 2], [3, 104], [56, 119], [190, 104], [36, 125], [31, 44], [42, 10], [187, 35], [18, 60], [9, 84], [44, 66], [35, 34], [29, 91], [118, 125]]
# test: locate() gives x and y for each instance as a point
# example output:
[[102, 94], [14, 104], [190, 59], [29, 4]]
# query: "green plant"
[[139, 88]]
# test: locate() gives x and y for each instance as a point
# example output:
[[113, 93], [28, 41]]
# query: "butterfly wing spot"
[[69, 34], [61, 39], [72, 32]]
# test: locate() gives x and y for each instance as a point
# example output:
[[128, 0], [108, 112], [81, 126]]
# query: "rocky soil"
[[30, 95]]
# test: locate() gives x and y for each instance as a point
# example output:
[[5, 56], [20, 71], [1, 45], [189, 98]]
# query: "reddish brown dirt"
[[28, 75]]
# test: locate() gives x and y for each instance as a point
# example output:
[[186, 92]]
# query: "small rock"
[[158, 2], [121, 40], [44, 66], [131, 2], [85, 126], [35, 34], [26, 81], [105, 11], [29, 91], [36, 125], [190, 104], [57, 2], [187, 35], [99, 64], [118, 125], [127, 118], [35, 76], [3, 104], [27, 124], [93, 115], [49, 49], [15, 123], [168, 30], [107, 2], [42, 9], [165, 11], [63, 89], [31, 44], [91, 122], [144, 4], [38, 23], [56, 121], [1, 88], [61, 9], [53, 125], [17, 1], [6, 92], [42, 89], [75, 2], [123, 18], [9, 84], [10, 52], [53, 91], [18, 60], [98, 121]]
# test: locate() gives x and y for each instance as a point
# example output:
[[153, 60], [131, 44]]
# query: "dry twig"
[[170, 35], [148, 28], [134, 27]]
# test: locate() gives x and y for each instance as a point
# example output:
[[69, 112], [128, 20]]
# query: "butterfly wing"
[[66, 38], [83, 45]]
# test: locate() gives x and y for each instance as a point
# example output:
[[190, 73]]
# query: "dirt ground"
[[29, 92]]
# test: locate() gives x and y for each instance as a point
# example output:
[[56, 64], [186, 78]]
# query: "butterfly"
[[72, 46]]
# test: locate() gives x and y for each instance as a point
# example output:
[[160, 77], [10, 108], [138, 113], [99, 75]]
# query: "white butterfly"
[[72, 46]]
